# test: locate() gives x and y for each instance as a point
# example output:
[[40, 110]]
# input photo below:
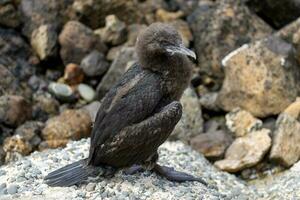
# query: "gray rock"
[[267, 91], [9, 15], [90, 187], [77, 41], [61, 91], [209, 101], [94, 64], [227, 19], [125, 56], [86, 92], [44, 41], [191, 122], [92, 108]]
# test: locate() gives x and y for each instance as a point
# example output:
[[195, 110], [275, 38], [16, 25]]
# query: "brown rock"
[[52, 144], [114, 32], [166, 16], [69, 125], [44, 106], [219, 27], [6, 81], [133, 32], [212, 144], [246, 151], [267, 91], [17, 144], [241, 122], [286, 140], [44, 41], [14, 110], [77, 41], [73, 74], [293, 110], [93, 12]]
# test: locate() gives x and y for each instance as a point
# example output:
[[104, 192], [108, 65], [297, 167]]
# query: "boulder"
[[267, 91], [77, 41]]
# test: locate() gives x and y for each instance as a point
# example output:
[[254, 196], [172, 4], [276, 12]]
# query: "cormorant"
[[139, 113]]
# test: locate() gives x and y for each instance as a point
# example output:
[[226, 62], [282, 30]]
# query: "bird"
[[138, 113]]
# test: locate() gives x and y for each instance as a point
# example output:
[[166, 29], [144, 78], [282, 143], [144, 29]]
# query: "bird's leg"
[[133, 169], [172, 175]]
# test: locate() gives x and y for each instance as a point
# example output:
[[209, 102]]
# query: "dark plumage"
[[139, 113]]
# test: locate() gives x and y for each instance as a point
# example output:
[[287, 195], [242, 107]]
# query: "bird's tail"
[[72, 174]]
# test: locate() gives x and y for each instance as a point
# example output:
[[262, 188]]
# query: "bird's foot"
[[172, 175], [133, 169]]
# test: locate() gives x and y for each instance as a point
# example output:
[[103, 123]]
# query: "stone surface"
[[133, 32], [73, 74], [241, 122], [14, 110], [125, 56], [93, 12], [209, 101], [77, 40], [92, 108], [114, 32], [285, 149], [267, 91], [276, 13], [9, 15], [69, 125], [94, 64], [166, 16], [293, 110], [62, 92], [44, 41], [35, 13], [245, 151], [212, 144], [220, 27], [86, 92], [191, 122]]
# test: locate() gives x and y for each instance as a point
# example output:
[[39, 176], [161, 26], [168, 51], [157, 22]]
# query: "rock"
[[77, 41], [241, 122], [73, 74], [16, 144], [35, 13], [245, 151], [86, 92], [267, 91], [9, 15], [117, 68], [276, 13], [12, 189], [69, 125], [44, 41], [230, 20], [14, 110], [293, 110], [114, 32], [93, 12], [187, 6], [2, 156], [94, 64], [209, 101], [212, 144], [166, 16], [133, 32], [6, 81], [286, 137], [52, 144], [45, 106], [184, 31], [62, 92], [93, 108], [191, 122]]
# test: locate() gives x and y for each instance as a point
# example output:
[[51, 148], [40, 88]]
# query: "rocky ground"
[[241, 111]]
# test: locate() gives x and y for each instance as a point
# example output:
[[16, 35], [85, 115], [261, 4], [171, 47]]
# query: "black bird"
[[139, 113]]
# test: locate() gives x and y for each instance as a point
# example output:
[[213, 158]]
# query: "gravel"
[[24, 179]]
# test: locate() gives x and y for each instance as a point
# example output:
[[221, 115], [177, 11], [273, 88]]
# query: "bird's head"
[[161, 41]]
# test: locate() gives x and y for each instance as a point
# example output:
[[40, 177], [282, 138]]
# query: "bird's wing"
[[132, 100], [137, 142]]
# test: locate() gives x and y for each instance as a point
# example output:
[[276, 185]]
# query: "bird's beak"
[[181, 49]]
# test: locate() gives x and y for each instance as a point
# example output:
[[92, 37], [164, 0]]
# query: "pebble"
[[61, 91], [90, 187], [86, 92], [12, 189]]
